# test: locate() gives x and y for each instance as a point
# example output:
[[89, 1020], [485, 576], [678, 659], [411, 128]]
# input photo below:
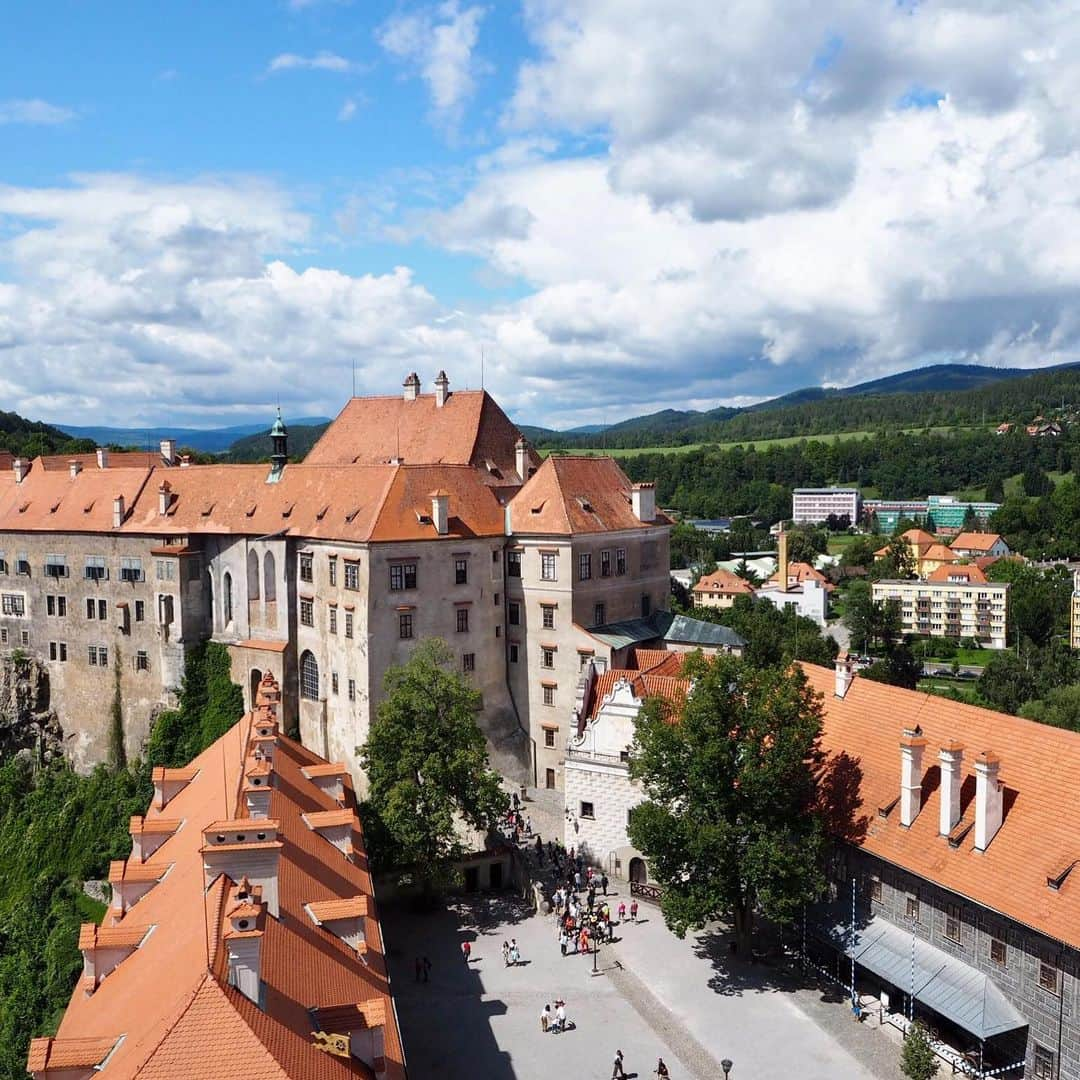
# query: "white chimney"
[[168, 450], [442, 389], [643, 499], [845, 672], [911, 751], [440, 511], [21, 468], [412, 386], [102, 457], [243, 938], [989, 803], [164, 498], [118, 511], [951, 757], [74, 468], [521, 459]]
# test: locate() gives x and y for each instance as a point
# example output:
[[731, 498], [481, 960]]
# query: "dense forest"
[[30, 438], [59, 830]]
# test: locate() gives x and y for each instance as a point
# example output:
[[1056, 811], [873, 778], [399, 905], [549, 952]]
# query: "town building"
[[955, 602], [797, 585], [1074, 612], [978, 545], [952, 880], [811, 506], [948, 514], [243, 936], [719, 589]]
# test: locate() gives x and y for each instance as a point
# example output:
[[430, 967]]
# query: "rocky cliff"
[[27, 723]]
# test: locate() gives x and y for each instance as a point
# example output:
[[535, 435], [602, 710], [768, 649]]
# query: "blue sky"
[[207, 207]]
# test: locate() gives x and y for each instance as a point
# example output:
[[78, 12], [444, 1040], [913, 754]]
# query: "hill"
[[302, 437], [209, 440], [32, 437]]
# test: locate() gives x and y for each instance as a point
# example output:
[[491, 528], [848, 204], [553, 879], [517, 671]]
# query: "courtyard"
[[655, 996]]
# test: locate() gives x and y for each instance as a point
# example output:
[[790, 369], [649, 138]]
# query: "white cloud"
[[347, 110], [34, 111], [320, 61], [439, 43]]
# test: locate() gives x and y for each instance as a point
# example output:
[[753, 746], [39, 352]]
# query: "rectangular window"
[[140, 610], [404, 623], [22, 564], [24, 637], [549, 695], [97, 609], [307, 572], [50, 605], [513, 564], [13, 604], [646, 605], [547, 566], [1048, 977], [3, 563], [912, 908], [599, 612], [549, 616], [875, 889], [333, 620], [584, 566], [605, 564], [1044, 1063], [468, 662], [98, 655], [952, 922], [331, 565], [587, 811], [513, 653], [352, 576], [498, 631], [3, 635], [497, 599], [348, 624], [62, 651], [91, 655], [402, 576], [998, 952], [131, 570], [515, 613], [352, 689], [461, 571], [56, 566], [549, 737], [333, 682], [462, 620], [95, 568], [620, 561], [307, 613], [52, 650], [142, 661], [165, 569], [547, 657]]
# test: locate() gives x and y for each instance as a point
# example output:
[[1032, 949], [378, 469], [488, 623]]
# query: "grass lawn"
[[973, 657], [965, 690], [840, 542]]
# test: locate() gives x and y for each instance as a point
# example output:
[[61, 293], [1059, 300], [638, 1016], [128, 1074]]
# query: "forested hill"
[[901, 401], [302, 437], [31, 437]]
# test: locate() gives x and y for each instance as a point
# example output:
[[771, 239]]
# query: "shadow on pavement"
[[733, 976]]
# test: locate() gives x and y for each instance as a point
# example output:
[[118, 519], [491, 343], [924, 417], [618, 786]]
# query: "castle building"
[[243, 936], [415, 515]]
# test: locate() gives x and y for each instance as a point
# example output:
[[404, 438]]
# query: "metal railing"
[[578, 754]]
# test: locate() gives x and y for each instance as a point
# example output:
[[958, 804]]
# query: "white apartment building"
[[953, 603], [1074, 613], [809, 506]]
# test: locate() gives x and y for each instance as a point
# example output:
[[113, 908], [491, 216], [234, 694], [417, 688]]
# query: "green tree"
[[1060, 708], [728, 824], [1006, 683], [1039, 599], [995, 487], [859, 615], [860, 552], [1035, 482], [427, 764], [900, 667], [917, 1059]]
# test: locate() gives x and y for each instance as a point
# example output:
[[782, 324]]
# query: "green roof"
[[279, 427]]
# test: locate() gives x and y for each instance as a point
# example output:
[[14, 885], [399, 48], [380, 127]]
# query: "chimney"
[[951, 757], [102, 457], [911, 751], [164, 498], [74, 468], [782, 559], [185, 461], [521, 458], [440, 511], [442, 389], [21, 468], [643, 500], [118, 511], [412, 386], [989, 806], [168, 450], [845, 672], [246, 915]]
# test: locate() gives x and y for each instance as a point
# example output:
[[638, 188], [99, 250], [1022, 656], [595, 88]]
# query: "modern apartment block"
[[948, 513], [814, 505], [955, 602], [1074, 613]]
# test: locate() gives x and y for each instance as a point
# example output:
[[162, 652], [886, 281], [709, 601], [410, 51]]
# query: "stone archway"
[[639, 872]]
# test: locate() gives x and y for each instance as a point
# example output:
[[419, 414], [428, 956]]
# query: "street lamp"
[[726, 1066]]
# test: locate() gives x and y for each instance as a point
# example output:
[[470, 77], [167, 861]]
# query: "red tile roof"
[[971, 575], [671, 690], [975, 541], [724, 582], [797, 573], [1040, 771]]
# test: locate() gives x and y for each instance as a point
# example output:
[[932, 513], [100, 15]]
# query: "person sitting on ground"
[[662, 1070]]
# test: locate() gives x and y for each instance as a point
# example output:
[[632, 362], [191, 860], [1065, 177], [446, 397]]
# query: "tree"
[[860, 552], [859, 615], [1059, 708], [729, 823], [1006, 683], [899, 668], [1039, 600], [427, 764], [1035, 482], [995, 487], [917, 1059]]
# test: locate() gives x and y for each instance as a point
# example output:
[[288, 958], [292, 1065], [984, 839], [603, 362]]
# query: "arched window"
[[226, 598], [253, 576], [309, 677], [269, 577]]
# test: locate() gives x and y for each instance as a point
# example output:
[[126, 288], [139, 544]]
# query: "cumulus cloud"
[[438, 43], [320, 61], [34, 111], [347, 110]]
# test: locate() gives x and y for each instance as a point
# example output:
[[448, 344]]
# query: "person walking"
[[622, 911], [560, 1015], [562, 941], [515, 953], [617, 1070], [545, 1019], [604, 883], [506, 953], [466, 950], [662, 1070], [633, 911]]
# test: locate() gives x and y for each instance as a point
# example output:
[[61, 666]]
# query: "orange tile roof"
[[975, 541], [92, 936], [673, 691], [117, 459], [937, 553], [724, 581], [195, 1019], [1040, 770], [328, 910], [797, 573], [330, 768], [972, 575], [470, 429], [325, 818], [569, 496], [659, 661], [68, 1053]]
